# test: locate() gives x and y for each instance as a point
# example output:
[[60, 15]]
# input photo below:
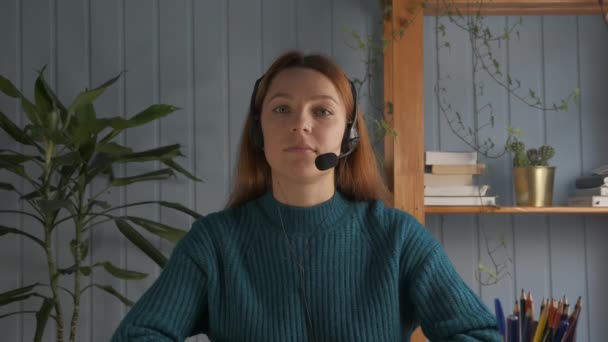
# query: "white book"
[[460, 200], [597, 191], [588, 201], [447, 180], [450, 158], [457, 190]]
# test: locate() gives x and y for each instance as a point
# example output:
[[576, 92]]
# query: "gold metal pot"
[[534, 185]]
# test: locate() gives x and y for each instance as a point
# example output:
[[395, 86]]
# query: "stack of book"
[[449, 179], [591, 190]]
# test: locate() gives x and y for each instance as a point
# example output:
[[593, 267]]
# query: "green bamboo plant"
[[69, 148]]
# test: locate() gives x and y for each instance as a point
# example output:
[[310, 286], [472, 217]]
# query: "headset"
[[351, 134]]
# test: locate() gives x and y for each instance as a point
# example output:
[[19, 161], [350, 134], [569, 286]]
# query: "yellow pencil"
[[542, 321]]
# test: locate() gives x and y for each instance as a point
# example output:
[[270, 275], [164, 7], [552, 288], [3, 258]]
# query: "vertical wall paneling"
[[140, 34], [350, 16], [593, 53], [432, 119], [175, 79], [454, 68], [279, 28], [10, 246], [244, 64], [530, 232], [494, 231], [71, 78], [38, 47], [211, 104], [107, 60], [566, 233], [314, 27]]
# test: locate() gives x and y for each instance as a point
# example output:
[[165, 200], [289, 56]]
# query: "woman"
[[306, 249]]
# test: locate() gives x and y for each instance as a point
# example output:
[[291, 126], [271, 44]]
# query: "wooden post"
[[403, 87]]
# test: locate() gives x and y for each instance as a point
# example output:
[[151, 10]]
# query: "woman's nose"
[[301, 122]]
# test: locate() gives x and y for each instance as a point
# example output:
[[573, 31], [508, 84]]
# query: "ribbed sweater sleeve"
[[174, 307], [446, 308]]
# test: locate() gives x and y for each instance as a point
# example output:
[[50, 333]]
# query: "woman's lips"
[[300, 149]]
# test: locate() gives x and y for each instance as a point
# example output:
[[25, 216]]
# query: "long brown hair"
[[356, 176]]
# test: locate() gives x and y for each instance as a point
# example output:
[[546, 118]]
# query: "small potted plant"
[[532, 176]]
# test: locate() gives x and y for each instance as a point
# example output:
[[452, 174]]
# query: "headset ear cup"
[[255, 135], [350, 140]]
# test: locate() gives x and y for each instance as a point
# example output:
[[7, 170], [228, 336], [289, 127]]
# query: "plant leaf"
[[85, 126], [86, 270], [56, 103], [159, 153], [50, 206], [16, 292], [175, 166], [8, 88], [42, 98], [138, 240], [100, 163], [7, 186], [151, 113], [154, 175], [15, 132], [166, 232], [30, 109], [15, 159], [42, 316], [113, 149], [69, 158], [101, 204], [122, 273], [7, 301], [32, 195], [179, 207], [113, 292], [87, 97], [9, 230]]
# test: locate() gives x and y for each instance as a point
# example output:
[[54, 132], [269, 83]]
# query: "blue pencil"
[[500, 317]]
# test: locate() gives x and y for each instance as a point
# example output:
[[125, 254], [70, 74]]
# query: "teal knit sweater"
[[362, 272]]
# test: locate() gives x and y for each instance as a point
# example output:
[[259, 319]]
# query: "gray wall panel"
[[11, 246]]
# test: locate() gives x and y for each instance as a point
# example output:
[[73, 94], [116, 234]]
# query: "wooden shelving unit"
[[510, 7], [404, 88], [512, 210]]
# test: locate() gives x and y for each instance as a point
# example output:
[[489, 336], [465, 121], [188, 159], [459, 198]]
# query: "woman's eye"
[[322, 112], [281, 109]]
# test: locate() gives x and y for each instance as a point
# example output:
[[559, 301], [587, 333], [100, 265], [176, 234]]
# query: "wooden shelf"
[[510, 7], [512, 210]]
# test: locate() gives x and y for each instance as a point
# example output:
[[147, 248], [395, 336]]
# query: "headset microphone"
[[326, 161]]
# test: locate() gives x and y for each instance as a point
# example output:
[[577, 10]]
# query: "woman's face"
[[303, 115]]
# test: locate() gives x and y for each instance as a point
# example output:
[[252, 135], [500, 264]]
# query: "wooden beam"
[[404, 77], [403, 88]]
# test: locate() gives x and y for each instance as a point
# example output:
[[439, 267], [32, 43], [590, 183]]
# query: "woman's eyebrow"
[[324, 97], [315, 97]]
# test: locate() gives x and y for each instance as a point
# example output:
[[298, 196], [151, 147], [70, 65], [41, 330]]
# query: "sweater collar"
[[303, 220]]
